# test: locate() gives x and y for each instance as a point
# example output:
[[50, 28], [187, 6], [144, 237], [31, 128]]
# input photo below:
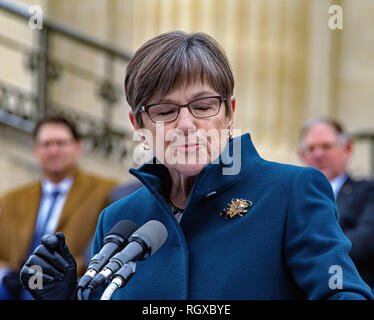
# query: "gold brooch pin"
[[236, 207]]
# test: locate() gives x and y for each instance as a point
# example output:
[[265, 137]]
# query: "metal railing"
[[20, 108]]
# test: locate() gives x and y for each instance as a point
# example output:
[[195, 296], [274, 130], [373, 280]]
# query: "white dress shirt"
[[48, 188], [337, 183]]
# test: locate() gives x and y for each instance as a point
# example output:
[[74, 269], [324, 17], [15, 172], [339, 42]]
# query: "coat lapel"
[[343, 198], [30, 205], [73, 199]]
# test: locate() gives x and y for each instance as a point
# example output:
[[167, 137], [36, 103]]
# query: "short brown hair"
[[56, 119], [173, 59]]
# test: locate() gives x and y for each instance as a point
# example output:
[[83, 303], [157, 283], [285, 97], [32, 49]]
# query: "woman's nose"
[[186, 120]]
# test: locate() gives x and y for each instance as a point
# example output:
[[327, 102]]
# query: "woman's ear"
[[231, 116], [132, 119], [140, 131]]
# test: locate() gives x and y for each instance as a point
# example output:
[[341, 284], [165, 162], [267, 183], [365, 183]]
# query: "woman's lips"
[[188, 147]]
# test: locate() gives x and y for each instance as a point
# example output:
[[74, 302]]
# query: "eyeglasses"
[[169, 112], [325, 147], [57, 143]]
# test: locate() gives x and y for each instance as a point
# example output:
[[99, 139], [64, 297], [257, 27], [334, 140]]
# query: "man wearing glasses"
[[326, 146], [66, 199]]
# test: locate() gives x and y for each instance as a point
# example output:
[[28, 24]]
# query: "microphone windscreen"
[[154, 232], [123, 229]]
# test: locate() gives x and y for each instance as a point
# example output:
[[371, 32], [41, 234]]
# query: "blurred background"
[[288, 64]]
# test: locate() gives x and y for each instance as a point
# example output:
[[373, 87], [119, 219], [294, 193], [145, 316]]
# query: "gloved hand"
[[58, 277]]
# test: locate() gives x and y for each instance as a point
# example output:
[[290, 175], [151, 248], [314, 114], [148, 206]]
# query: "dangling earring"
[[146, 146], [230, 135], [141, 153]]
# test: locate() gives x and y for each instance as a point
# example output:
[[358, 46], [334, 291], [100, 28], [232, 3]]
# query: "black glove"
[[12, 283], [50, 273]]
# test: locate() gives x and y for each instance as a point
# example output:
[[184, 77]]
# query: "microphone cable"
[[120, 278], [88, 294], [80, 294]]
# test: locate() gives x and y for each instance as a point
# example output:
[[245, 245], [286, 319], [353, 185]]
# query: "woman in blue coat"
[[239, 227]]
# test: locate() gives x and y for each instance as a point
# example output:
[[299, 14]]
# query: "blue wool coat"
[[288, 245]]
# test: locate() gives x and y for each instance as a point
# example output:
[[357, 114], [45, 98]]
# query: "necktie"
[[41, 227]]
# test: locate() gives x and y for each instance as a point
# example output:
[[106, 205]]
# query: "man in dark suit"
[[325, 145]]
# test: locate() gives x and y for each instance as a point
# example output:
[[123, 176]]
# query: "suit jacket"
[[124, 190], [288, 245], [355, 202], [88, 196]]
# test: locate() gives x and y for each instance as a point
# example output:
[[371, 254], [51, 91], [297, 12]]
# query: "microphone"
[[144, 242], [120, 278], [115, 240]]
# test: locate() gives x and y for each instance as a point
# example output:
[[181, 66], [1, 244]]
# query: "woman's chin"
[[188, 169]]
